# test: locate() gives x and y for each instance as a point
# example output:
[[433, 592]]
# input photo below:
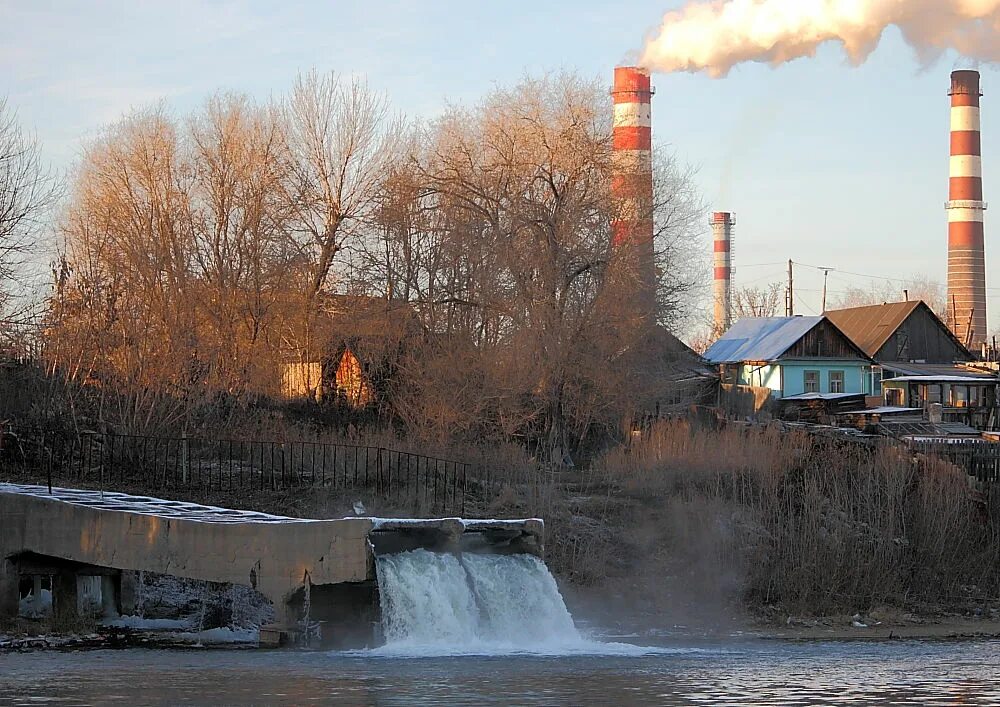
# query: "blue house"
[[792, 356]]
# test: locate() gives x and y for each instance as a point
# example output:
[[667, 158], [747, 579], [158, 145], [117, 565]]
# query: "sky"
[[823, 163]]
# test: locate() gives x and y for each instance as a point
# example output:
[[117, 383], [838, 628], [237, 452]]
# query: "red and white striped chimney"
[[632, 185], [966, 252], [722, 247]]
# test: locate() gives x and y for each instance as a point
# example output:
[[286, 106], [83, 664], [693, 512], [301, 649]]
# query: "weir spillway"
[[68, 533]]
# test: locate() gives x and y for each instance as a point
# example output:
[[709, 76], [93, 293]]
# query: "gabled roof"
[[759, 339], [871, 326]]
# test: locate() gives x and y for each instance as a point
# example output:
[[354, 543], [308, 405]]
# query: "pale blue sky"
[[823, 163]]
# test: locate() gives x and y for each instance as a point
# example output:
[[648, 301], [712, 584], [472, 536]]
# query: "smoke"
[[715, 36]]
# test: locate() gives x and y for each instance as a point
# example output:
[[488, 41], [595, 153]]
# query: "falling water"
[[472, 602]]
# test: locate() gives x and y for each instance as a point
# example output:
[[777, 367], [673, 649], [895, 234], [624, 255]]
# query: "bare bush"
[[816, 526]]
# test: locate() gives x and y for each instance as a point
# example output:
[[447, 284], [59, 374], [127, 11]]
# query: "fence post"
[[185, 459]]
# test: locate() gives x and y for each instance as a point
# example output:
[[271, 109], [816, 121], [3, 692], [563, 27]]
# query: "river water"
[[704, 672], [494, 629]]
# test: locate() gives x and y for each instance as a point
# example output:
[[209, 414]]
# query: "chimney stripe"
[[962, 215], [966, 234], [966, 165], [966, 188], [966, 118], [966, 142], [632, 115], [631, 138], [964, 101]]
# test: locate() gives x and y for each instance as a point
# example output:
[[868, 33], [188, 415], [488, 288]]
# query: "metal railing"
[[162, 463]]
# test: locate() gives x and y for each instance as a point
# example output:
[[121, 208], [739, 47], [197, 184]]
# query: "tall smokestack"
[[966, 255], [722, 246], [632, 185]]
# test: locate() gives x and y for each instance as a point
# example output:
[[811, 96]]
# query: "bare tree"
[[505, 242], [342, 141], [27, 190], [758, 302], [917, 287], [239, 222]]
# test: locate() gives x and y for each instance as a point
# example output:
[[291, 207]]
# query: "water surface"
[[743, 672]]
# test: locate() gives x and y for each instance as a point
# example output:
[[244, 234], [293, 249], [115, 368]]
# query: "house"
[[920, 362], [902, 338], [791, 356], [355, 344]]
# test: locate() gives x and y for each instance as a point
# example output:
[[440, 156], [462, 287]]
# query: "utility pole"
[[826, 271], [790, 304]]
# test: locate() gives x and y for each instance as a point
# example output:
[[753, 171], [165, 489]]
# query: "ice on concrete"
[[32, 607], [146, 505], [467, 523]]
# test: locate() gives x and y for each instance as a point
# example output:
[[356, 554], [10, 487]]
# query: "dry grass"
[[810, 524]]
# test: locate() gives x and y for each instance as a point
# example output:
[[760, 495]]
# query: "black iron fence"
[[162, 463]]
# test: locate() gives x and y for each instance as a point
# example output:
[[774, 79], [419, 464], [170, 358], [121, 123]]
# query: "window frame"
[[805, 381], [841, 380]]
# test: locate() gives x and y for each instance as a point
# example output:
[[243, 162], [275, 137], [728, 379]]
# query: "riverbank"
[[799, 630], [689, 524], [841, 628]]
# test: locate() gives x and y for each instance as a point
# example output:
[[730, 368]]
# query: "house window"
[[836, 381], [811, 381]]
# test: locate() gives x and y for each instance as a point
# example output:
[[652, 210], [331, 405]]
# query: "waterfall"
[[472, 602]]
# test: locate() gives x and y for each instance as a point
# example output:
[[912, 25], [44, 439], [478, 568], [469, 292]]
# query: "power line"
[[802, 302]]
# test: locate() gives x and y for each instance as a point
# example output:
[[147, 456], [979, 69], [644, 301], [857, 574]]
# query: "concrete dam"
[[351, 575]]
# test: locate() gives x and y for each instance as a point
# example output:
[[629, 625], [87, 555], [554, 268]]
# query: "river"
[[710, 672]]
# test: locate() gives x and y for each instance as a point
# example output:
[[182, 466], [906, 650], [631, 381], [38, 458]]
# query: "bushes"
[[813, 524]]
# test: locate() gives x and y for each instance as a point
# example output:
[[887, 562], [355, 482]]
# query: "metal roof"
[[822, 396], [941, 379], [937, 370], [871, 326], [759, 339]]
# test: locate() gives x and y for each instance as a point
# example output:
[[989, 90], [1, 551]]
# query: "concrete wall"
[[274, 558]]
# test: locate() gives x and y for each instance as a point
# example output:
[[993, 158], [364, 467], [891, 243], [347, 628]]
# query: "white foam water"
[[446, 604]]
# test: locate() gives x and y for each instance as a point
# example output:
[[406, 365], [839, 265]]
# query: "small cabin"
[[356, 346]]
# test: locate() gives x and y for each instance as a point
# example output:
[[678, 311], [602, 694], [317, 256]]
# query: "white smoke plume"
[[715, 36]]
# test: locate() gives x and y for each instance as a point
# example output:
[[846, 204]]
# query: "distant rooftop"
[[871, 326]]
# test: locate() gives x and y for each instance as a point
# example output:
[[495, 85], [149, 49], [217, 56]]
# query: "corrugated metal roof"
[[759, 339], [870, 327], [822, 396], [940, 379], [939, 370]]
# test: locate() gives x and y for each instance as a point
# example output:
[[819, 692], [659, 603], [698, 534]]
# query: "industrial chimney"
[[722, 247], [632, 184], [966, 256]]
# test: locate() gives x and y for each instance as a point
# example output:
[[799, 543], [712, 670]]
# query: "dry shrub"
[[814, 524]]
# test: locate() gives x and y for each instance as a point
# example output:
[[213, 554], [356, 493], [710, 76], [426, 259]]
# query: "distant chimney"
[[966, 253], [632, 184], [722, 251]]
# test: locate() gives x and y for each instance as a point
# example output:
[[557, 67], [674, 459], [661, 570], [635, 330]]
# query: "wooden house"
[[920, 363], [791, 356]]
